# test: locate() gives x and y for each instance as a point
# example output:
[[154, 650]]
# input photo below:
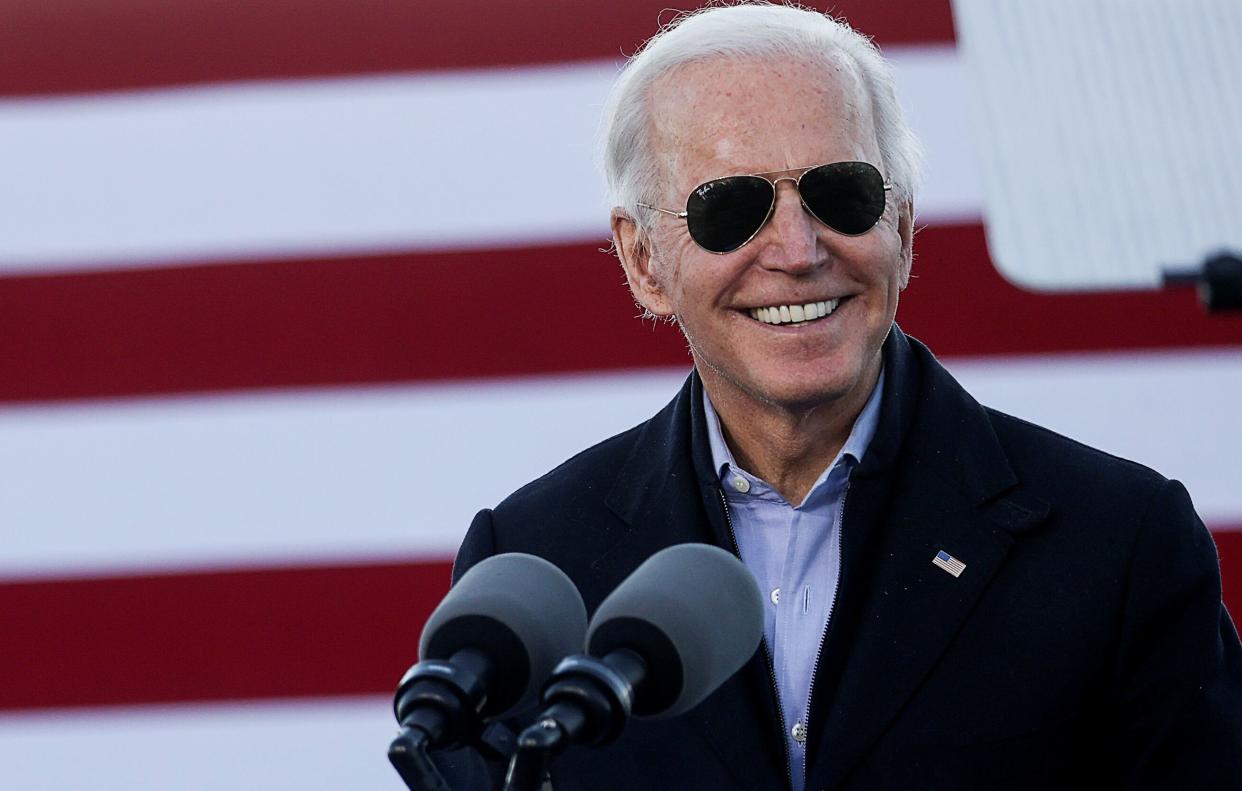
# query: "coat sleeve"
[[467, 768], [1179, 692], [479, 543]]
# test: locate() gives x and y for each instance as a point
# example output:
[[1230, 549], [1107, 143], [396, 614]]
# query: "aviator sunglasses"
[[724, 214]]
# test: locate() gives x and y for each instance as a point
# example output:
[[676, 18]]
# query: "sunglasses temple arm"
[[681, 215]]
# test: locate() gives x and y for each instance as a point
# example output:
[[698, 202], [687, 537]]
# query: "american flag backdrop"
[[289, 289]]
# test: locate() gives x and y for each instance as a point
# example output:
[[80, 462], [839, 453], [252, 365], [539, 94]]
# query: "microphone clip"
[[586, 701], [443, 699], [590, 698], [438, 705]]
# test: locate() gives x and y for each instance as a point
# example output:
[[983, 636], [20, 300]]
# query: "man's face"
[[728, 117]]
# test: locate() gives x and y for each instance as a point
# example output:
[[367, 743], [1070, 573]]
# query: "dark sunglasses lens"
[[722, 215], [848, 197]]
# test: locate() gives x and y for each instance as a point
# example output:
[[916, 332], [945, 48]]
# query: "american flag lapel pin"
[[947, 562]]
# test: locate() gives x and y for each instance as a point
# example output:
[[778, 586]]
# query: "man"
[[957, 599]]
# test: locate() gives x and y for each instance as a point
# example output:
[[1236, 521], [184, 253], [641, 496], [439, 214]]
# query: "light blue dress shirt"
[[795, 554]]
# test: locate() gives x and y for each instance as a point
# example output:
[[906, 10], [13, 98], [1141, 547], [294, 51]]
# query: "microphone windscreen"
[[695, 615], [522, 612]]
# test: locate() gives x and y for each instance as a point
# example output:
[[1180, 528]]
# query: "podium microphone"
[[676, 629], [484, 652]]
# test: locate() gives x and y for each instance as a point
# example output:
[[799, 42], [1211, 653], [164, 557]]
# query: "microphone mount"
[[587, 701], [438, 705]]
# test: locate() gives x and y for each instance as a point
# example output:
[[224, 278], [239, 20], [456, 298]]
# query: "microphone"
[[676, 629], [483, 653]]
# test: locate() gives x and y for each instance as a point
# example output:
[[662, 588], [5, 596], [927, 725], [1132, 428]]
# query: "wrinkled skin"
[[786, 395]]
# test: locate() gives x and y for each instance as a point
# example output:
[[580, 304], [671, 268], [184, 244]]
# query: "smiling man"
[[785, 314], [955, 598]]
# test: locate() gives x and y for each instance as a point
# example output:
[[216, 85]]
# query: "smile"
[[794, 315]]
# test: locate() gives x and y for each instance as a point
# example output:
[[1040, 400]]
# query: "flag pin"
[[947, 562]]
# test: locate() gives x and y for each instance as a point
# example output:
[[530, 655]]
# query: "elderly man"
[[957, 598]]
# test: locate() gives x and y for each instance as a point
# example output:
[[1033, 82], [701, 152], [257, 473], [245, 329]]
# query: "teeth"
[[794, 314]]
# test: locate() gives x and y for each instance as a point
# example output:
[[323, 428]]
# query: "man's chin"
[[801, 392]]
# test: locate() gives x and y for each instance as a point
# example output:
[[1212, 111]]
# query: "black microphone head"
[[694, 613], [520, 611]]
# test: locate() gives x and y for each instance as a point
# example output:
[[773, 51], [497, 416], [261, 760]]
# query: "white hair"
[[750, 29]]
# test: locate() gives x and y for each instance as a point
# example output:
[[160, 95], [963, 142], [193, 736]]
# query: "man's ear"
[[634, 250], [905, 229]]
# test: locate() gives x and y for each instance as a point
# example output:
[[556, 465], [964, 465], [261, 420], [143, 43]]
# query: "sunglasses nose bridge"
[[776, 186], [795, 182], [776, 189], [792, 237]]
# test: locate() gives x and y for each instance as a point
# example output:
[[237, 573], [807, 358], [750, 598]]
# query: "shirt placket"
[[788, 623]]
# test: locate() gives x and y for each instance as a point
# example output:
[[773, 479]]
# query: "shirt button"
[[741, 484], [799, 733], [775, 595]]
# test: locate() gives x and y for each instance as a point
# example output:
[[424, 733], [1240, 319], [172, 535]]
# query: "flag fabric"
[[289, 290]]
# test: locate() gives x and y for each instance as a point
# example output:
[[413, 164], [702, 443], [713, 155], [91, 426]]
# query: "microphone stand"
[[408, 755], [588, 702], [537, 746], [437, 703]]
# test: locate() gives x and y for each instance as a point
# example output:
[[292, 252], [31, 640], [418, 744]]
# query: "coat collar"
[[938, 479], [935, 477], [659, 495], [953, 436]]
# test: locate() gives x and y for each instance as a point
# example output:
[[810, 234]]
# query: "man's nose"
[[790, 241]]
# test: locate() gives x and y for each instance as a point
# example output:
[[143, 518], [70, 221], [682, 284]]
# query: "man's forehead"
[[750, 114]]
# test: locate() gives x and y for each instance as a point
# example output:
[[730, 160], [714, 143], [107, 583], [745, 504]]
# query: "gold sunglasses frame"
[[767, 176]]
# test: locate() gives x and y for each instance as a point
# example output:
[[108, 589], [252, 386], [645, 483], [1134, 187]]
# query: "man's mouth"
[[795, 315]]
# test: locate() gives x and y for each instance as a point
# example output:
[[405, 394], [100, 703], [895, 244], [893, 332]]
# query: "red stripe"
[[245, 634], [1229, 546], [57, 46], [961, 306], [242, 635], [406, 318]]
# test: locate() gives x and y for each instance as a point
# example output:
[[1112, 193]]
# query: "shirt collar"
[[855, 444]]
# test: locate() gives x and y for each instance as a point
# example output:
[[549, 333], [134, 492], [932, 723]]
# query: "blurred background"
[[290, 289]]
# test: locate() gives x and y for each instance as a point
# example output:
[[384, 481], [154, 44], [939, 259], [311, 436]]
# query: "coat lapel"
[[665, 496], [935, 478], [654, 494], [947, 486]]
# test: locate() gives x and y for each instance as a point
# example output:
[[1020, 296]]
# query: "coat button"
[[741, 484], [775, 595], [799, 733]]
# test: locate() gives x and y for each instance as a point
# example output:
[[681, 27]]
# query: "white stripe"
[[399, 472], [324, 744], [1176, 412], [371, 164], [289, 477]]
